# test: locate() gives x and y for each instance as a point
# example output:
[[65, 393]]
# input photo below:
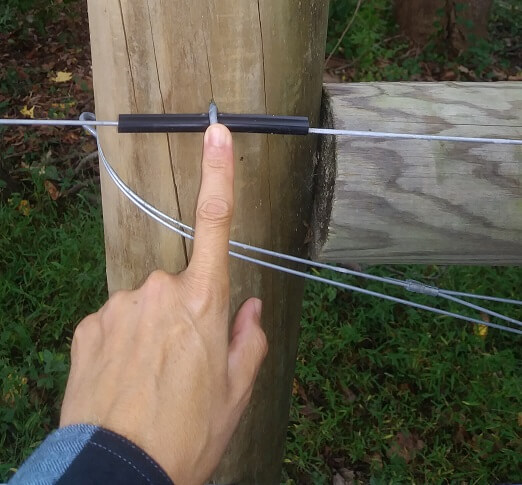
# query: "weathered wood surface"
[[385, 201], [251, 57]]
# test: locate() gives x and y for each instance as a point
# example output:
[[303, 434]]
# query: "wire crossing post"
[[250, 57]]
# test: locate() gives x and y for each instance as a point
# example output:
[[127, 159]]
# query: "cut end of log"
[[395, 201], [324, 181]]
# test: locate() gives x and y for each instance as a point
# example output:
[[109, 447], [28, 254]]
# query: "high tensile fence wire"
[[311, 131], [412, 286], [89, 123]]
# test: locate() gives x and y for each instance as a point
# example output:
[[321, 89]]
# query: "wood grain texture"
[[251, 56], [419, 201]]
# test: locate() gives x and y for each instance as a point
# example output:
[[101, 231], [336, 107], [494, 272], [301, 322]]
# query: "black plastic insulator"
[[198, 123]]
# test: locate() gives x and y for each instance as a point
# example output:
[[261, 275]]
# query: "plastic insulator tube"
[[198, 123]]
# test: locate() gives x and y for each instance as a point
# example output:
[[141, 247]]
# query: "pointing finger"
[[215, 207]]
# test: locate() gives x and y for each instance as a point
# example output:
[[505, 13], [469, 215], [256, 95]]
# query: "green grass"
[[371, 373], [23, 14], [367, 46], [52, 269], [375, 50]]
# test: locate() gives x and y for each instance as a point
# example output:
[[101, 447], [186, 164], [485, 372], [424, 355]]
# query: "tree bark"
[[459, 22], [174, 56]]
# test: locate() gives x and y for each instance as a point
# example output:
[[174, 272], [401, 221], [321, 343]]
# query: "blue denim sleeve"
[[86, 454]]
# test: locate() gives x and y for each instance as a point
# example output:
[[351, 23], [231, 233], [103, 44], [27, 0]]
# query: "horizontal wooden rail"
[[397, 201]]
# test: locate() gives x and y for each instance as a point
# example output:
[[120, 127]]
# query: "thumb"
[[247, 351]]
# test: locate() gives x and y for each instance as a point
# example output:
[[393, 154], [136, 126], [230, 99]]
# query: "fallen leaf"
[[482, 330], [406, 446], [499, 75], [309, 412], [25, 111], [520, 419], [62, 77], [295, 387], [24, 207], [70, 137], [461, 435], [348, 475], [89, 147], [48, 67], [339, 480], [331, 77], [449, 76], [15, 389], [70, 104], [52, 190], [349, 394], [375, 460]]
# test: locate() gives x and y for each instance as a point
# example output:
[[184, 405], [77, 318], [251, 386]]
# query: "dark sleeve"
[[89, 455]]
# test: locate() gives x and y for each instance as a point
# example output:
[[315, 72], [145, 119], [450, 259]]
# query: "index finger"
[[215, 207]]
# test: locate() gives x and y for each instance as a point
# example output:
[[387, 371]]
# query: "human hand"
[[156, 365]]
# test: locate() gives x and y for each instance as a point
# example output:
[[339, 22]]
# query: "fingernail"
[[217, 136], [258, 305]]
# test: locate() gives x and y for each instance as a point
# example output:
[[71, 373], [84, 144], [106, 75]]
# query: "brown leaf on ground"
[[52, 190], [348, 476], [336, 63], [298, 390], [308, 411], [448, 76], [499, 74], [406, 446], [461, 435], [404, 387], [340, 480], [375, 459], [332, 77], [348, 394], [89, 147]]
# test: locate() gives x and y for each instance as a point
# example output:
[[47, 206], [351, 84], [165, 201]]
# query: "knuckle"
[[116, 299], [216, 163], [114, 304], [216, 211], [158, 279], [84, 330]]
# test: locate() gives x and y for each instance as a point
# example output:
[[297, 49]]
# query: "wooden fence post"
[[250, 57], [430, 202]]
